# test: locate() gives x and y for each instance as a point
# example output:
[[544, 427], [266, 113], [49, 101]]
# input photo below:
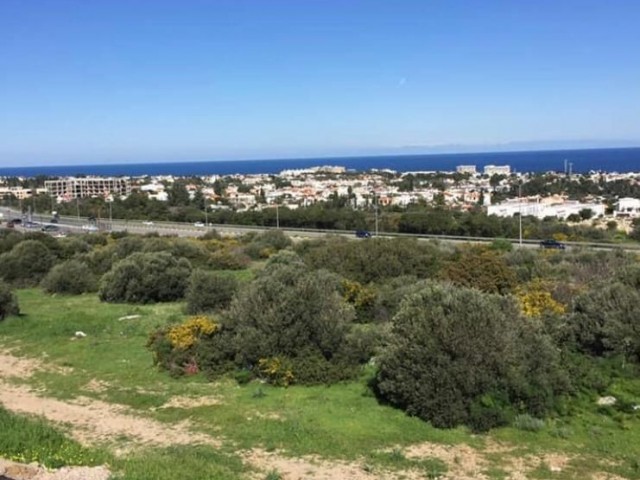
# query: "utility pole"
[[277, 215], [78, 209], [375, 197], [111, 214]]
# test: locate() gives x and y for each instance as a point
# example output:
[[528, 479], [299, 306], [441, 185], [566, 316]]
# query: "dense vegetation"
[[467, 335]]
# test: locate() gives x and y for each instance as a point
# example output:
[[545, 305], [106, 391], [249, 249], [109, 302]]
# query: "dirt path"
[[93, 422]]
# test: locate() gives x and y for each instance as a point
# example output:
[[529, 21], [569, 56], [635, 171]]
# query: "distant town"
[[496, 189]]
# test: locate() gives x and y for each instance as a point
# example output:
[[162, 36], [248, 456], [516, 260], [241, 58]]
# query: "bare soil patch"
[[94, 421], [307, 468], [191, 402], [463, 461], [18, 471]]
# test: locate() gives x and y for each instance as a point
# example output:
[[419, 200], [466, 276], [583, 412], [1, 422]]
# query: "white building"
[[466, 169], [541, 209], [497, 170], [628, 207]]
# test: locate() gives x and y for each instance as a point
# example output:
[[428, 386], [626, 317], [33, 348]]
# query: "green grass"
[[26, 440], [342, 421], [30, 439]]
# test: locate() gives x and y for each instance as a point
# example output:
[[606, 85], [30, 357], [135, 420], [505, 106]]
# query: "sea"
[[579, 161]]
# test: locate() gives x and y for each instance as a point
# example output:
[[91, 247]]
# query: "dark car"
[[552, 244], [363, 234], [50, 228]]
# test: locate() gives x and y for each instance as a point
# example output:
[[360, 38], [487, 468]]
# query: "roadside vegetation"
[[350, 350]]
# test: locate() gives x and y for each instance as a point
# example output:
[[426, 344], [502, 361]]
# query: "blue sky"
[[158, 80]]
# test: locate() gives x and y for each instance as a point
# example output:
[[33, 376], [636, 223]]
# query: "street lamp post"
[[206, 213], [520, 212], [277, 215]]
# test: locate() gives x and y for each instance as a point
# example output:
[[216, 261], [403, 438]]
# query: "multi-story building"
[[68, 188], [541, 208], [497, 170], [466, 169]]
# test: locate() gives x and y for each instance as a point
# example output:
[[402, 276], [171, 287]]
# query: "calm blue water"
[[610, 160]]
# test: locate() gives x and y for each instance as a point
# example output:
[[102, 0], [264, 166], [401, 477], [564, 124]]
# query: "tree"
[[8, 302], [146, 278], [585, 213], [178, 195], [460, 356]]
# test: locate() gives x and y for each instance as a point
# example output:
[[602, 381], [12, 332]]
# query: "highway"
[[81, 224]]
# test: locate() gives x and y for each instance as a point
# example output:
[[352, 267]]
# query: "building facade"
[[497, 170], [68, 188]]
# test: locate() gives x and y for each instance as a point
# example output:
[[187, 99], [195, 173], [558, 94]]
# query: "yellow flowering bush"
[[535, 300], [357, 294], [276, 370], [186, 334]]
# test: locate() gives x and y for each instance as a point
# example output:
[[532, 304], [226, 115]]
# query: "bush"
[[460, 356], [145, 278], [209, 291], [604, 320], [528, 423], [71, 277], [373, 260], [229, 259], [26, 264], [481, 268], [287, 311], [8, 302], [267, 243]]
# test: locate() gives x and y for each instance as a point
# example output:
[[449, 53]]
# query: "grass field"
[[342, 423]]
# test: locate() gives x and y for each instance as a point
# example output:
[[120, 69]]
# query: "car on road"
[[147, 222], [552, 244], [198, 224], [363, 234], [90, 228], [50, 228]]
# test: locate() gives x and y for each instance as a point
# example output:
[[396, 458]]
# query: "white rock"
[[80, 334], [607, 401]]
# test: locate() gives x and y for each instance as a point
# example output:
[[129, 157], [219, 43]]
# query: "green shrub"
[[528, 423], [461, 356], [229, 259], [71, 277], [604, 321], [145, 278], [26, 264], [8, 302], [209, 291]]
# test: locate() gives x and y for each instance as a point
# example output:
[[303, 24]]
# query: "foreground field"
[[116, 408]]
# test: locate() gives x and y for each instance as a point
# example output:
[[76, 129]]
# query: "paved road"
[[79, 224]]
